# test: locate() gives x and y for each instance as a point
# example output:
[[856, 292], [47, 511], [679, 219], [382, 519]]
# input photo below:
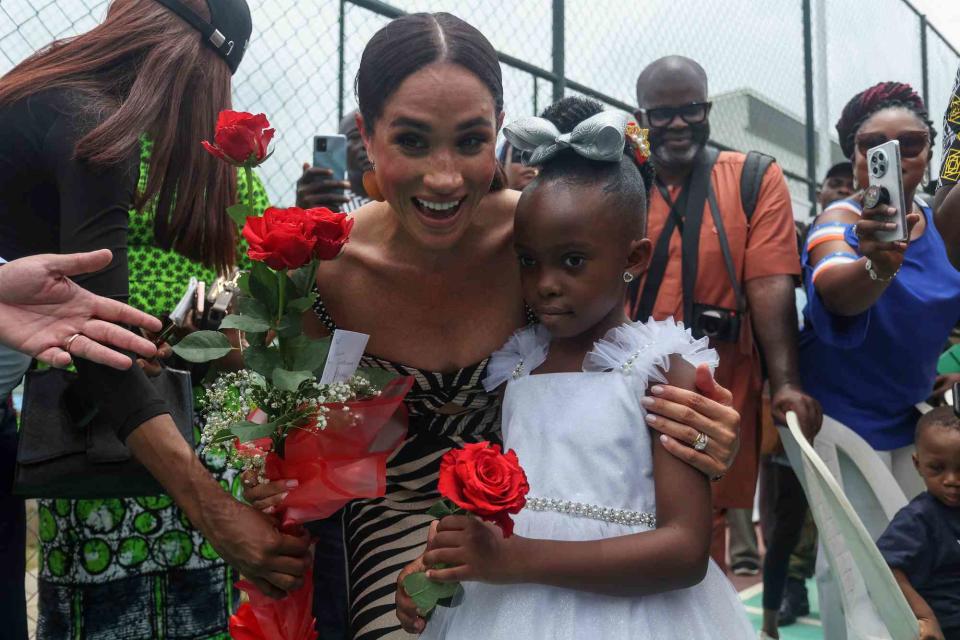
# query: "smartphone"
[[178, 316], [886, 180], [330, 152]]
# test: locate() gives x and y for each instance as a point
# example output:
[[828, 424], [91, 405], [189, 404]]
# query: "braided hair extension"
[[885, 95]]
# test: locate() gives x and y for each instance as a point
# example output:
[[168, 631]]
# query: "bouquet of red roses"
[[477, 480], [274, 415]]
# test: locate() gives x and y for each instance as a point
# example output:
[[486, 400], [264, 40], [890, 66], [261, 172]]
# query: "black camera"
[[716, 323]]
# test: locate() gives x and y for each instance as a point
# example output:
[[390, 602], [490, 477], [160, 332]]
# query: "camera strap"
[[725, 249], [692, 199]]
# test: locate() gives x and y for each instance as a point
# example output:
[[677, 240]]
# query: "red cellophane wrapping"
[[344, 461]]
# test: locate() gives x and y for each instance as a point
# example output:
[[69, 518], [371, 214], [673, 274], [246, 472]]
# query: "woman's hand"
[[681, 415], [265, 497], [886, 257], [472, 549]]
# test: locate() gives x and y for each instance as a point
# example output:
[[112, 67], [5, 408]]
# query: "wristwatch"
[[868, 265]]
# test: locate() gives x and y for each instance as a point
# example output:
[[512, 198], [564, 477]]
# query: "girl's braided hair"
[[884, 95]]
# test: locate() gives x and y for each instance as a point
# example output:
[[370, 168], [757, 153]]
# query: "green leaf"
[[244, 323], [426, 593], [305, 354], [379, 378], [243, 282], [290, 380], [256, 339], [203, 346], [441, 508], [253, 308], [239, 212], [263, 360], [300, 305], [222, 436], [248, 431], [263, 286], [302, 279], [289, 325]]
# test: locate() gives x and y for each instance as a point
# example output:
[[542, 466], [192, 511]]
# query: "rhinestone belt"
[[607, 514]]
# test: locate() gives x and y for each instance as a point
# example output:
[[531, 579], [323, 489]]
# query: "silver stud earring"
[[628, 277]]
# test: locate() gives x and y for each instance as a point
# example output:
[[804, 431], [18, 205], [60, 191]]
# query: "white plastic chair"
[[875, 612]]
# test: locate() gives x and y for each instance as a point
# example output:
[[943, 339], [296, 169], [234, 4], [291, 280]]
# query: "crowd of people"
[[597, 272]]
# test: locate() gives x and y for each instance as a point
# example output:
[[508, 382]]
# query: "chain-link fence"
[[780, 71], [763, 60]]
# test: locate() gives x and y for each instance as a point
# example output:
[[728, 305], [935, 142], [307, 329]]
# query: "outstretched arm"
[[41, 309], [672, 556]]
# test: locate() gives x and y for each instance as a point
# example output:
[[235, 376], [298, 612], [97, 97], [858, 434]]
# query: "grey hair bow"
[[599, 137]]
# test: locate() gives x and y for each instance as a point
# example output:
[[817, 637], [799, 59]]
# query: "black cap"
[[229, 29], [844, 168]]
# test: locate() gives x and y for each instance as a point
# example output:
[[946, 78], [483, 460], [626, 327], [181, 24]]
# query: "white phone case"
[[883, 170]]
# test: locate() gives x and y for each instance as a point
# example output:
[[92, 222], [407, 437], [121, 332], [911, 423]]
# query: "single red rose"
[[332, 231], [282, 238], [480, 479], [241, 138]]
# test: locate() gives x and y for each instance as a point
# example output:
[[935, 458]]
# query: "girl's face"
[[573, 252], [434, 152], [890, 124]]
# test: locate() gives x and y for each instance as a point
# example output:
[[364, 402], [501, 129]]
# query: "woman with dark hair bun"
[[878, 312], [431, 275]]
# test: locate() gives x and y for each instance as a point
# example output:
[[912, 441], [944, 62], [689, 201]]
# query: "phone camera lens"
[[321, 144]]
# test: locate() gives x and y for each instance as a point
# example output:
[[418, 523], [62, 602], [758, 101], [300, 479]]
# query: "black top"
[[923, 541], [52, 203]]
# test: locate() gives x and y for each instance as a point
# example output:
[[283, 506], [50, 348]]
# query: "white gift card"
[[346, 349]]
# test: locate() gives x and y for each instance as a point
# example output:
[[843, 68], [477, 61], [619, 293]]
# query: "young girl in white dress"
[[614, 540]]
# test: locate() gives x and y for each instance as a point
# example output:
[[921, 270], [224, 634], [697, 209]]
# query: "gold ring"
[[66, 347]]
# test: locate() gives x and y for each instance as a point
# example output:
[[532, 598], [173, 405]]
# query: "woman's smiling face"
[[434, 152]]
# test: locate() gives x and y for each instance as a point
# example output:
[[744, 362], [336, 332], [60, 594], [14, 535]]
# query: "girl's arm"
[[672, 556]]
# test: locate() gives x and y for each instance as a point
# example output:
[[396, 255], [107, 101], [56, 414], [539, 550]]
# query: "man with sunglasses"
[[724, 261], [518, 174]]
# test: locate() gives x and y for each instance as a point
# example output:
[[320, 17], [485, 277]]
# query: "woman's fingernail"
[[293, 483], [656, 390], [651, 419], [664, 439], [284, 494], [890, 225], [647, 401], [429, 574], [269, 510]]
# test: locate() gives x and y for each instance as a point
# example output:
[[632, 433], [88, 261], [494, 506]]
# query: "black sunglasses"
[[912, 143], [693, 113]]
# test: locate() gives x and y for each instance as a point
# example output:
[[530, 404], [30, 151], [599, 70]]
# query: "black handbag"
[[66, 452]]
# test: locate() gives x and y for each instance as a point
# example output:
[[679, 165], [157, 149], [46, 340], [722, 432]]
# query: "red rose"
[[290, 238], [485, 482], [332, 231], [240, 138], [283, 238]]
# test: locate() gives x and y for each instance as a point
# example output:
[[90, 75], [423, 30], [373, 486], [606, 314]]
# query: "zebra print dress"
[[383, 535]]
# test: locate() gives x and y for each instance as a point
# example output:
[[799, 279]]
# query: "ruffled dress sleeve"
[[523, 352], [642, 350]]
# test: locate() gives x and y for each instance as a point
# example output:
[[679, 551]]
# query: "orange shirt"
[[768, 247]]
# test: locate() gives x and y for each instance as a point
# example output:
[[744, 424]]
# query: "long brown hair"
[[150, 73]]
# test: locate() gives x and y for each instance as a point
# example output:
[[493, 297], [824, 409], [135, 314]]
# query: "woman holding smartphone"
[[77, 173], [879, 312]]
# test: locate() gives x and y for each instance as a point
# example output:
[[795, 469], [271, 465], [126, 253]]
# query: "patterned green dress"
[[136, 569]]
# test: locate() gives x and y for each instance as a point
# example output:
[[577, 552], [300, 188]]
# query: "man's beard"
[[674, 159]]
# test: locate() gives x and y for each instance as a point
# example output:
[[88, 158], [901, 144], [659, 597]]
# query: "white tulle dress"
[[582, 439]]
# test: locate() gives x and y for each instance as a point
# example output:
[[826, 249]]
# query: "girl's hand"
[[410, 619], [681, 415], [885, 256], [267, 496], [474, 549]]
